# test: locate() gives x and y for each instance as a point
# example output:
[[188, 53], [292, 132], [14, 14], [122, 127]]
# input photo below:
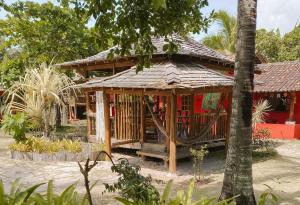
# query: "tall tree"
[[132, 23], [34, 33], [225, 39], [291, 45], [268, 43], [238, 167]]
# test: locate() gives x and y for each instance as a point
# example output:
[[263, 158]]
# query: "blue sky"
[[272, 14]]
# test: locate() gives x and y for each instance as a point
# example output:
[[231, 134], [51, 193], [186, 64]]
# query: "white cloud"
[[282, 14]]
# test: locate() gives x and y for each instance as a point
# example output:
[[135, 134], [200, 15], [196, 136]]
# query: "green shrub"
[[261, 139], [40, 145], [198, 156], [16, 125], [132, 185]]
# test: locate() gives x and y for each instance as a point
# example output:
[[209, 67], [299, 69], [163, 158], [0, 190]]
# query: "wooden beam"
[[107, 141], [292, 107], [213, 89], [172, 152], [229, 113]]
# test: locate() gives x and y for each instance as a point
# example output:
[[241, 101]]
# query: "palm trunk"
[[238, 168], [57, 116], [46, 116]]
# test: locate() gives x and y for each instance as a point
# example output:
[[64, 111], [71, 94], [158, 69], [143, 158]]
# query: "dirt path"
[[282, 173]]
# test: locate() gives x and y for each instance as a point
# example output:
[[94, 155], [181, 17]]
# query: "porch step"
[[154, 147], [155, 154]]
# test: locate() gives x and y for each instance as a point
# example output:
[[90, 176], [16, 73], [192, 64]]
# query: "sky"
[[271, 14]]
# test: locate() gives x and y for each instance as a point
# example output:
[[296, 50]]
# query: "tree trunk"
[[238, 167], [57, 116], [46, 116]]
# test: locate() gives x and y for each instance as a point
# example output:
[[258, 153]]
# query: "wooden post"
[[192, 112], [107, 142], [228, 121], [87, 101], [292, 107], [172, 152], [142, 126], [168, 117]]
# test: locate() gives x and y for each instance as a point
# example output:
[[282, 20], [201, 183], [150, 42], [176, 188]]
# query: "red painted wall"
[[281, 117], [281, 131]]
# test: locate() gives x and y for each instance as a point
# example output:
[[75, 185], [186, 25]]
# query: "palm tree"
[[225, 39], [38, 92], [238, 167]]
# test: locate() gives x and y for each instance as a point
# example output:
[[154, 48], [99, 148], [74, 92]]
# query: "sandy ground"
[[282, 173]]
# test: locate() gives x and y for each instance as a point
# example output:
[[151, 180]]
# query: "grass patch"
[[264, 154]]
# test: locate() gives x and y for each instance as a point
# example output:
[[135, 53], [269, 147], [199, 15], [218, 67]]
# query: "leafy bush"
[[40, 145], [198, 156], [16, 125], [16, 195], [132, 185], [261, 139]]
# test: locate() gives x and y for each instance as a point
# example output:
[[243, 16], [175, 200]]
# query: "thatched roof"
[[278, 77], [165, 75], [187, 47]]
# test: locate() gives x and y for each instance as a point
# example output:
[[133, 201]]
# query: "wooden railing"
[[201, 126]]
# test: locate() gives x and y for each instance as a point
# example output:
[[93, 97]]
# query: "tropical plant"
[[38, 91], [261, 139], [198, 156], [16, 195], [225, 39], [261, 109], [67, 197], [238, 167], [16, 125], [132, 185], [40, 145]]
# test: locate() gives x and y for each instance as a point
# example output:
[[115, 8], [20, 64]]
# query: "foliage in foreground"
[[132, 185], [19, 196], [41, 145], [144, 194]]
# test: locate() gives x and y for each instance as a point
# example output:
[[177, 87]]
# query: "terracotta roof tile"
[[278, 77]]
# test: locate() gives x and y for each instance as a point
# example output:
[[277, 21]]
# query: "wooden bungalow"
[[156, 108], [279, 83], [98, 66]]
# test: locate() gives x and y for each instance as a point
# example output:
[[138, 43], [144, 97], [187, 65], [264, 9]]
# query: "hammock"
[[187, 141]]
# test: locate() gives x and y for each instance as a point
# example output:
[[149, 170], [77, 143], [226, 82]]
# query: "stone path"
[[282, 173]]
